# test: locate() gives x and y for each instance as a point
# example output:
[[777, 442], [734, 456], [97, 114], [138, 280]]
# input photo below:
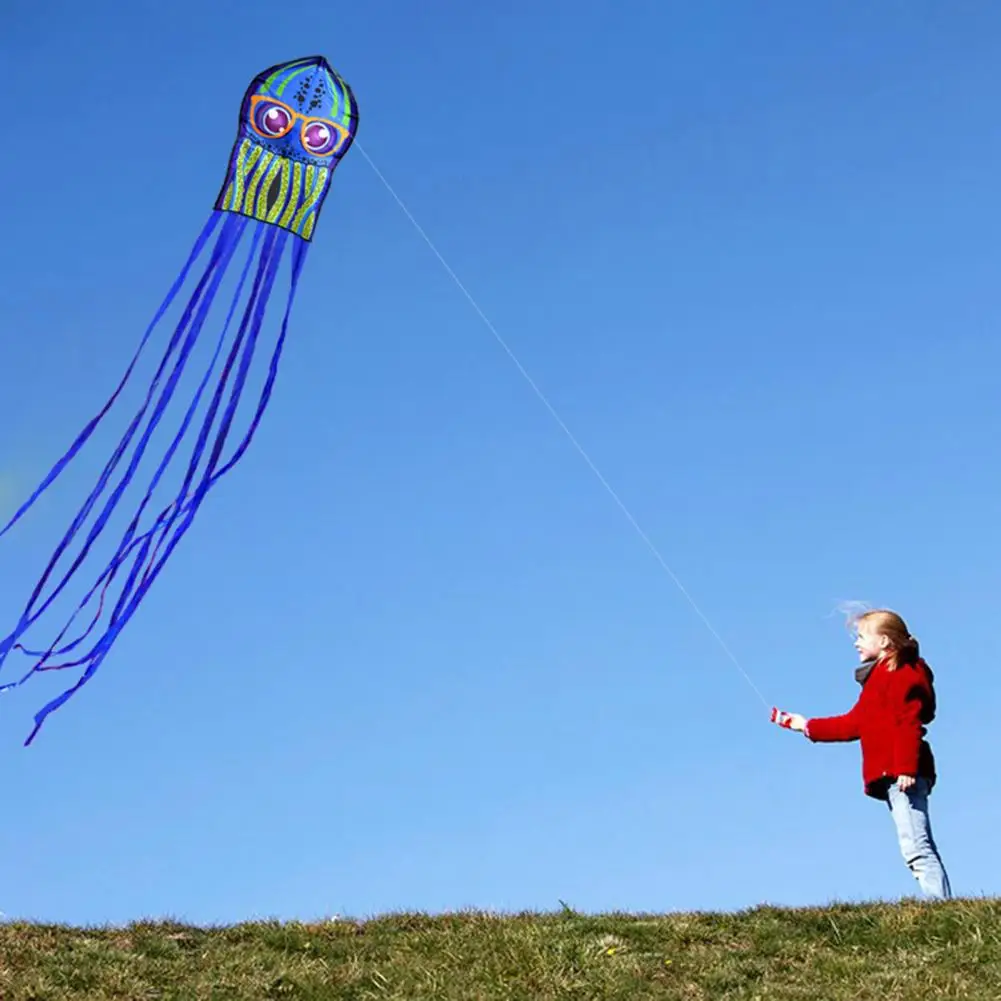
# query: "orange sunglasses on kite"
[[272, 119]]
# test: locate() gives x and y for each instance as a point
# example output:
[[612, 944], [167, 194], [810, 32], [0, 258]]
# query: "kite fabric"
[[297, 121]]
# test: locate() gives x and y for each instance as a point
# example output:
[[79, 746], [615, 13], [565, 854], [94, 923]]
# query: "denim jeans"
[[910, 816]]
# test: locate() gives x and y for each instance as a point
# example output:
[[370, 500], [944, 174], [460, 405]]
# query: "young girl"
[[896, 702]]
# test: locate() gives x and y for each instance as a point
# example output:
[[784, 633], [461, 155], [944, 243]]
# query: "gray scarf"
[[863, 671]]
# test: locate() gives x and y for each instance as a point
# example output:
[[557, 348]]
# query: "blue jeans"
[[910, 816]]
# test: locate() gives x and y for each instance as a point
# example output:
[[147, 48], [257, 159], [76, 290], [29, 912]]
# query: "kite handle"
[[781, 718]]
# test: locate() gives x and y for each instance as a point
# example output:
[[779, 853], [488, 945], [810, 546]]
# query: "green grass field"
[[886, 951]]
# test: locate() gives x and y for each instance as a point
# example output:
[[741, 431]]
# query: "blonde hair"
[[904, 648]]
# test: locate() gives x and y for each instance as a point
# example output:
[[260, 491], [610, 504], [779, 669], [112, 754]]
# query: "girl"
[[889, 718]]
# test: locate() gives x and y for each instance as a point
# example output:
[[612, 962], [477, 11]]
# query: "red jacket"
[[889, 719]]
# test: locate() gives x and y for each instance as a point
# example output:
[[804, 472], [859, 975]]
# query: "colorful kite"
[[297, 121]]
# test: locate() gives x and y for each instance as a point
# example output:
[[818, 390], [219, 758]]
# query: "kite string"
[[563, 426]]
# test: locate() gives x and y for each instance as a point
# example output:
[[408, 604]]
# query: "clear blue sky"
[[411, 655]]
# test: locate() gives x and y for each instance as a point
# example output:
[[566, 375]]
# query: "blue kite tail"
[[143, 547]]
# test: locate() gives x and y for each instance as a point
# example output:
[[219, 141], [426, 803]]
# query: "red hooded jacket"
[[889, 719]]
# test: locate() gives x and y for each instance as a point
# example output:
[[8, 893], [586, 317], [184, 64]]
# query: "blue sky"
[[411, 655]]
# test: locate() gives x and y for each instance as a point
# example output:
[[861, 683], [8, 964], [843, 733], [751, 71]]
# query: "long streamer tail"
[[142, 551]]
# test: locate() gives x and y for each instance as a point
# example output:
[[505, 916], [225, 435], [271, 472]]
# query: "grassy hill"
[[890, 952]]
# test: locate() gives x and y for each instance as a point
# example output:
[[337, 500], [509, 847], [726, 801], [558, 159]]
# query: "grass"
[[891, 952]]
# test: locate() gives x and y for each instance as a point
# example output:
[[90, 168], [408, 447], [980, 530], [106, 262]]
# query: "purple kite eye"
[[272, 119], [320, 138]]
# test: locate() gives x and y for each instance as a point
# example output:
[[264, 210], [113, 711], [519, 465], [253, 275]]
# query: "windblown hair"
[[904, 648]]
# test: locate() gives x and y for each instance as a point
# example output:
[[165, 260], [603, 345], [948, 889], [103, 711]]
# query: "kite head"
[[297, 121]]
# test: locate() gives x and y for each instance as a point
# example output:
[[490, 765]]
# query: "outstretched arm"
[[827, 728], [830, 729]]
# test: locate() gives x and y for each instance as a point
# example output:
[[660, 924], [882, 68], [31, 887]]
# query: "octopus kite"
[[297, 121]]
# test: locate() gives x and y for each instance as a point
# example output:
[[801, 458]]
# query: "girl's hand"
[[797, 722], [904, 782], [789, 721]]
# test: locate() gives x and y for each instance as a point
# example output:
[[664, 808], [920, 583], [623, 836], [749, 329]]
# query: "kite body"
[[297, 121]]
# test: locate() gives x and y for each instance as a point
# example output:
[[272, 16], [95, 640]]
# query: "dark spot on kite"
[[273, 191]]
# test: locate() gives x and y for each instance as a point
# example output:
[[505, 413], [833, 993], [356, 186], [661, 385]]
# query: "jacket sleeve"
[[829, 729], [909, 696]]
